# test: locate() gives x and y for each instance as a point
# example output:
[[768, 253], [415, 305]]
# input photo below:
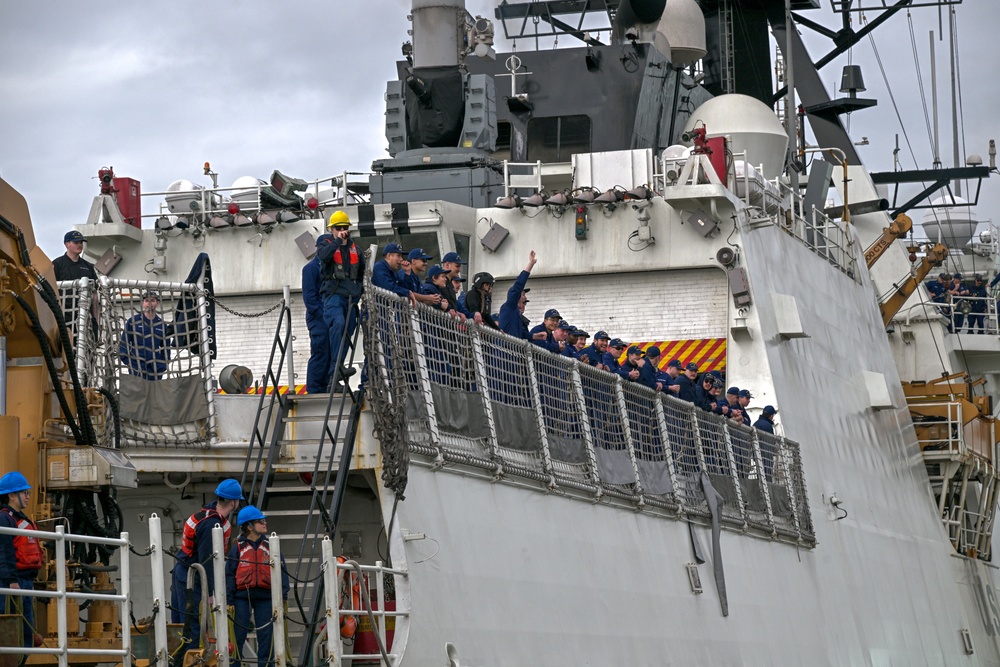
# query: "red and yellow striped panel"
[[708, 353], [283, 389]]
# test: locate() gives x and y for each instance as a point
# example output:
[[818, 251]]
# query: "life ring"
[[349, 624]]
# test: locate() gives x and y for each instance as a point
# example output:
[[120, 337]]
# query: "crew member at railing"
[[541, 334], [594, 352], [479, 299], [143, 348], [957, 290], [196, 547], [634, 362], [938, 289], [744, 400], [512, 320], [385, 274], [20, 557], [412, 267], [736, 415], [977, 316], [732, 400], [613, 354], [437, 278], [248, 585], [687, 383], [343, 274], [561, 335], [453, 263], [576, 344], [652, 368], [704, 398], [318, 369], [458, 285], [669, 377], [765, 422]]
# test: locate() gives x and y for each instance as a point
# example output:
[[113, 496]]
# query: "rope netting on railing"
[[147, 343], [476, 396]]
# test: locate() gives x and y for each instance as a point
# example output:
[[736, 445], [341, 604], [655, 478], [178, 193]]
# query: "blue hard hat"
[[247, 514], [230, 490], [13, 482]]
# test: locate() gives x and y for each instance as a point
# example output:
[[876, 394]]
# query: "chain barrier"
[[237, 313]]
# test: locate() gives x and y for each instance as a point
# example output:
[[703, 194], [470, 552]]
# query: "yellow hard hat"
[[339, 219]]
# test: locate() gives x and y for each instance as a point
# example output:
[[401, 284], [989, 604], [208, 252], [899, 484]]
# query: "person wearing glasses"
[[248, 585], [21, 557]]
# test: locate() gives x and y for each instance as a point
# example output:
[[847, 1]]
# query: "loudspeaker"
[[726, 256]]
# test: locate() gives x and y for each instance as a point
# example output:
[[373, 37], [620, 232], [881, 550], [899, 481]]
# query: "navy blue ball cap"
[[770, 410], [453, 257], [602, 335], [675, 363], [580, 333], [552, 312], [566, 326], [653, 351], [458, 279], [617, 342], [957, 276], [635, 349], [392, 247], [745, 393], [436, 271], [73, 236], [735, 391], [418, 253], [692, 367]]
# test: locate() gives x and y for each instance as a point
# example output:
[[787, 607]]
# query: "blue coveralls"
[[550, 343], [318, 370], [977, 318], [511, 320], [9, 574], [178, 583], [143, 347], [255, 601], [340, 297], [611, 361]]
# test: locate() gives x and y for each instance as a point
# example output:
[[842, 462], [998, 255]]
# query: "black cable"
[[115, 415], [43, 342], [52, 300]]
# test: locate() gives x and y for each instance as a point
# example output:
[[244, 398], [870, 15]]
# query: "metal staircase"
[[296, 468]]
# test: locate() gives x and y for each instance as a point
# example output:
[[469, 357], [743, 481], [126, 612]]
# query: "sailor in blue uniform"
[[977, 316], [744, 400], [668, 378], [512, 320], [957, 290], [541, 334], [732, 400], [595, 351], [634, 361], [686, 383], [766, 420], [342, 270], [703, 393], [318, 369], [143, 347], [413, 267], [385, 274], [613, 353]]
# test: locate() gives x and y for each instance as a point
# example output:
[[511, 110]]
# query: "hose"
[[50, 298], [113, 401], [36, 327]]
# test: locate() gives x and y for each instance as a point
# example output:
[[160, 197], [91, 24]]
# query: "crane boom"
[[898, 229], [934, 256]]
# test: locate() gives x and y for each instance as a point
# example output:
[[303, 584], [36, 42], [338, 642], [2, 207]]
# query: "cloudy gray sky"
[[155, 89]]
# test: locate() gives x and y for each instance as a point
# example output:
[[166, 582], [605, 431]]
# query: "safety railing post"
[[630, 445], [331, 589], [61, 600], [219, 575], [159, 601], [287, 296], [126, 572], [278, 636]]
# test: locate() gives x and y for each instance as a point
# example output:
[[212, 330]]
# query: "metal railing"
[[971, 314], [63, 650], [951, 436], [479, 397]]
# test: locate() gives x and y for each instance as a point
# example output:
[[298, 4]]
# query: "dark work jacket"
[[594, 355], [687, 392], [550, 343], [312, 298], [475, 302], [511, 321], [332, 285], [611, 361], [764, 424]]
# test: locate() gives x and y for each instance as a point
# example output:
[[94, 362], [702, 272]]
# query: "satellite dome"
[[183, 197], [246, 190], [751, 126], [953, 222], [683, 25]]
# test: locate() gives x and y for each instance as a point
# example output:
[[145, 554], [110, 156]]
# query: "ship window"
[[502, 151], [557, 138], [463, 249]]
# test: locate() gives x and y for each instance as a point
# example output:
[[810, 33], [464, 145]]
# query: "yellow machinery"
[[934, 255], [958, 438], [40, 422], [899, 228]]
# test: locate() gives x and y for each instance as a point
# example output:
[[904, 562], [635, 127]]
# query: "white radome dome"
[[683, 25], [954, 222], [751, 127]]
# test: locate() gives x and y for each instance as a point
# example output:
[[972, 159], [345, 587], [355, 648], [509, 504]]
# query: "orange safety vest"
[[27, 550], [254, 567], [355, 263], [191, 527]]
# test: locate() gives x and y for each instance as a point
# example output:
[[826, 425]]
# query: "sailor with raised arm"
[[512, 319]]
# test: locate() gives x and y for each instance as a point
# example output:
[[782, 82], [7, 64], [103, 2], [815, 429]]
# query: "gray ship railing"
[[477, 397]]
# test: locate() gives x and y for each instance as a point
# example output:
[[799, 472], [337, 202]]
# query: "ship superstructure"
[[535, 510]]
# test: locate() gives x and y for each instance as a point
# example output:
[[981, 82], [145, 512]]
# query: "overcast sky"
[[156, 89]]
